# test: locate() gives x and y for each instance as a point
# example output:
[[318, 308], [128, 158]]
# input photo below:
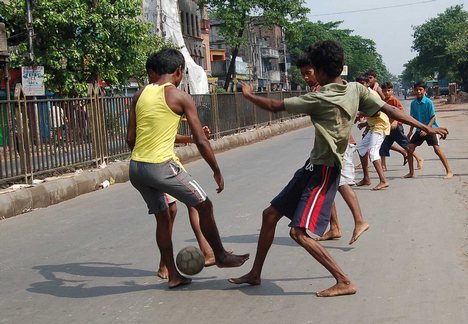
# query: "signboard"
[[345, 70], [32, 79]]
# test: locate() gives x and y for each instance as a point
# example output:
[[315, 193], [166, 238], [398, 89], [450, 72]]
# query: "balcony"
[[269, 53]]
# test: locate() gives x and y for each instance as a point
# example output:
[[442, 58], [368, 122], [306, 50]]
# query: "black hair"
[[371, 73], [362, 78], [387, 85], [303, 61], [328, 56], [420, 83], [166, 61]]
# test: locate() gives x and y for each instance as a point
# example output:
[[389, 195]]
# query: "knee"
[[270, 216], [297, 234], [204, 207]]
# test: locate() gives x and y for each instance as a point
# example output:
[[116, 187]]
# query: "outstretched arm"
[[272, 105], [186, 139], [399, 115]]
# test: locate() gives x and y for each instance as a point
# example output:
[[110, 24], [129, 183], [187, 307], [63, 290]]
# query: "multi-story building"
[[194, 26], [261, 60]]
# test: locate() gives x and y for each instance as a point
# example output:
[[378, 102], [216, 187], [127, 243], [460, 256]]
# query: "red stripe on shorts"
[[315, 202]]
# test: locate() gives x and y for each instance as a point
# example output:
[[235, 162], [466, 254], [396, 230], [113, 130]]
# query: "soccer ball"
[[190, 260]]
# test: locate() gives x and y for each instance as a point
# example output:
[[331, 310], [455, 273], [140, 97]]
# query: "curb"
[[70, 186]]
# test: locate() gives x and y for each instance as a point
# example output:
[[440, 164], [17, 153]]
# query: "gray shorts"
[[152, 180]]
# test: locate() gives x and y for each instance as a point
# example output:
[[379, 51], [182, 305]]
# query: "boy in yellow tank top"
[[153, 122]]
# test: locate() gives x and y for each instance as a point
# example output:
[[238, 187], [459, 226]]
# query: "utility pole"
[[286, 81], [29, 27]]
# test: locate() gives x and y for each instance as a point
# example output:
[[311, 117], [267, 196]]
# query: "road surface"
[[93, 259]]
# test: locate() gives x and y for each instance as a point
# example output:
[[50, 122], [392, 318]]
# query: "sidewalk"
[[21, 199]]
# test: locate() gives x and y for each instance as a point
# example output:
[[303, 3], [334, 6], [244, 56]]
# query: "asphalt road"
[[92, 259]]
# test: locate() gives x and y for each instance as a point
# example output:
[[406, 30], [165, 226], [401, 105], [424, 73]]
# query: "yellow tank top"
[[156, 126]]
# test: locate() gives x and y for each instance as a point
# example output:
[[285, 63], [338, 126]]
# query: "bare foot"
[[363, 182], [230, 260], [340, 289], [247, 278], [210, 260], [179, 281], [420, 164], [330, 235], [449, 175], [381, 185], [358, 230], [409, 175], [162, 272]]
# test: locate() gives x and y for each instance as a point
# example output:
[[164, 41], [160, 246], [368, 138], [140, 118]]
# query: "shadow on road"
[[279, 240], [57, 285]]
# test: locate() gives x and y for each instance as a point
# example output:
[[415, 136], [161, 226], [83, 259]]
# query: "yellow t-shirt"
[[379, 123], [156, 126]]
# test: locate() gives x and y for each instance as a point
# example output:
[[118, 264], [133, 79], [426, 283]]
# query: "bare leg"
[[443, 159], [343, 285], [384, 163], [419, 161], [162, 271], [383, 180], [402, 151], [350, 197], [365, 170], [163, 238], [224, 259], [270, 218], [411, 149], [202, 242], [334, 232]]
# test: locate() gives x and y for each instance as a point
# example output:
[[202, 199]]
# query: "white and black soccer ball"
[[190, 260]]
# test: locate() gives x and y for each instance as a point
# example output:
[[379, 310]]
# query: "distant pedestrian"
[[422, 109]]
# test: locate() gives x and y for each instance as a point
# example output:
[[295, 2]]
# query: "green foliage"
[[360, 53], [442, 47], [82, 41], [236, 16]]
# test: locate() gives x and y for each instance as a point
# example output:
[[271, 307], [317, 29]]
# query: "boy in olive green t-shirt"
[[308, 197]]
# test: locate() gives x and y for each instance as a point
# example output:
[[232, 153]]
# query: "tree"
[[360, 53], [441, 44], [236, 16], [81, 41]]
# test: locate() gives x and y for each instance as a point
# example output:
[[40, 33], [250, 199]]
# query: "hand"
[[247, 89], [207, 131], [442, 131], [219, 180], [422, 133]]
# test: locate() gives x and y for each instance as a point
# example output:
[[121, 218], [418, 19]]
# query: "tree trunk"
[[232, 66]]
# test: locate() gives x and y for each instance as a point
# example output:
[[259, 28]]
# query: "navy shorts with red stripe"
[[307, 198]]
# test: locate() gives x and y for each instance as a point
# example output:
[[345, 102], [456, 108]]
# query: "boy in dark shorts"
[[308, 197], [422, 109], [396, 132]]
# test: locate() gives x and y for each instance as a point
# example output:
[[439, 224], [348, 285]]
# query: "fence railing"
[[42, 136]]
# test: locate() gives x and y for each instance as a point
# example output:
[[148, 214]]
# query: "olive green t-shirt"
[[333, 110]]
